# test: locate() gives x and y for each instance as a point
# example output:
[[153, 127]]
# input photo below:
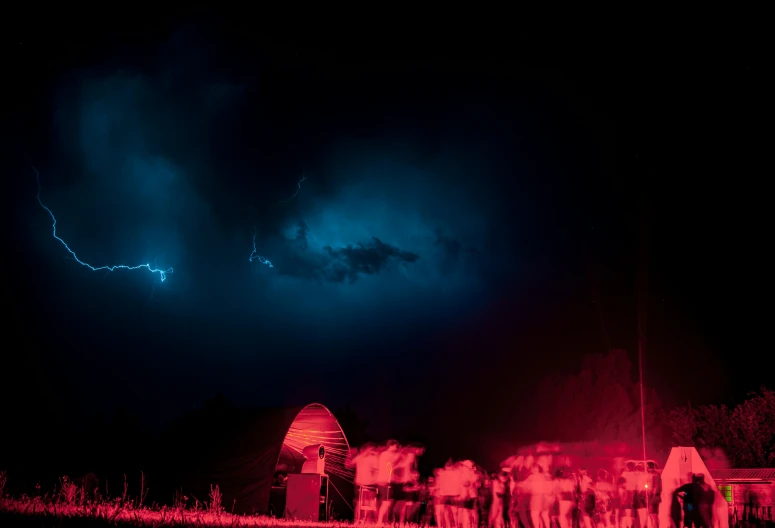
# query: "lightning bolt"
[[162, 273], [298, 188], [255, 256]]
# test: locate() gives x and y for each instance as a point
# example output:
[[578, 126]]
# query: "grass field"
[[67, 507], [36, 512]]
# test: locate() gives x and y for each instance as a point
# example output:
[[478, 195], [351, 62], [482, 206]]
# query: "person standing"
[[467, 498], [407, 478], [654, 494], [363, 460], [496, 504], [586, 494], [385, 479], [539, 485], [564, 486], [604, 490]]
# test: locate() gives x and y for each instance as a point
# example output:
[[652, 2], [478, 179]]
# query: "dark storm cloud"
[[349, 262], [342, 264], [450, 245], [453, 253], [387, 233]]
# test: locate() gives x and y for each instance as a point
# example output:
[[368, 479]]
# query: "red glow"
[[314, 426]]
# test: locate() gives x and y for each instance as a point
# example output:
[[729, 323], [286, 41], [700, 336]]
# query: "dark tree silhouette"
[[601, 403], [746, 433]]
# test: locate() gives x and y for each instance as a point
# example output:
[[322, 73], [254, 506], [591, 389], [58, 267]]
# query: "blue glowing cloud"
[[385, 235], [339, 264]]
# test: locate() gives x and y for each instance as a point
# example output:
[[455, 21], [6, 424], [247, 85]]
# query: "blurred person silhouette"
[[428, 501], [564, 492], [480, 476], [414, 500], [388, 458], [586, 499], [517, 496], [604, 491], [514, 496], [705, 496], [628, 483], [365, 479], [467, 494], [371, 467], [446, 496], [452, 490], [686, 494], [676, 510], [399, 481], [496, 501], [640, 495], [522, 498], [408, 476], [618, 494], [654, 493], [439, 508], [485, 497], [524, 486], [350, 462], [507, 497], [539, 485]]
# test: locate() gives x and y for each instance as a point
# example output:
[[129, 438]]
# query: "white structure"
[[315, 459], [681, 464]]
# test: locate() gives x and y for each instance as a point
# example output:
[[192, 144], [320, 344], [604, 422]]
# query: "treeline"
[[741, 436], [601, 402]]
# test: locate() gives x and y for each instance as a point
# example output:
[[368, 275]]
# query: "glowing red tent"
[[246, 451]]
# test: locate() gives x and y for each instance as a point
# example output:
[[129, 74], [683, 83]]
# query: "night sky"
[[464, 228]]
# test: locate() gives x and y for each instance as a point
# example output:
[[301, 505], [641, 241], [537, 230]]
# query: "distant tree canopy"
[[602, 403], [746, 433]]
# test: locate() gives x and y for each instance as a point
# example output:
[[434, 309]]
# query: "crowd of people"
[[529, 492], [387, 482]]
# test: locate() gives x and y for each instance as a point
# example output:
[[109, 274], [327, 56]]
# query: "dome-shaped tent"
[[242, 451]]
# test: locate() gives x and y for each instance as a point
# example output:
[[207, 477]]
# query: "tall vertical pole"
[[642, 293]]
